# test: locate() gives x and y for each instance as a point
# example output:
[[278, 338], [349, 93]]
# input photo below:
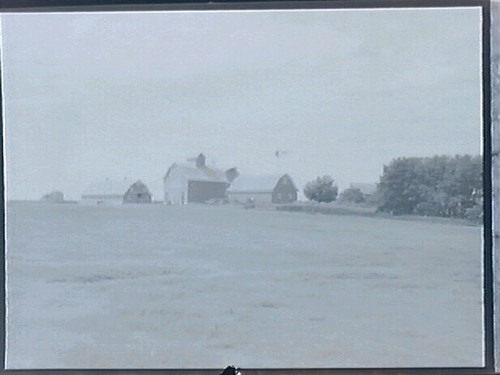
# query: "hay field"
[[206, 286]]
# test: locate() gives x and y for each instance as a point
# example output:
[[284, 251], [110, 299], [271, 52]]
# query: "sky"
[[90, 96]]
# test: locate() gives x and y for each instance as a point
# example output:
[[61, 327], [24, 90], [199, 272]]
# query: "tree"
[[399, 186], [323, 189], [352, 195]]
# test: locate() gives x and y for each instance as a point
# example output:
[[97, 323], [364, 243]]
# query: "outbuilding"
[[187, 183], [367, 189], [116, 192], [263, 189]]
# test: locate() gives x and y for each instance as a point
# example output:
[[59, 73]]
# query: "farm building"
[[185, 183], [263, 189], [53, 197], [366, 189], [116, 192]]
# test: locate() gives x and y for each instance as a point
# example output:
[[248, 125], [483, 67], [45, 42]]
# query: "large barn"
[[116, 192], [187, 183], [263, 189]]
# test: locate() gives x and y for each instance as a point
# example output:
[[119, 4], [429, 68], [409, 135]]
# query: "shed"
[[185, 183], [365, 188], [116, 192], [263, 189]]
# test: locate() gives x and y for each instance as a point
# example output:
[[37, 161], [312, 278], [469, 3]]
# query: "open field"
[[198, 286]]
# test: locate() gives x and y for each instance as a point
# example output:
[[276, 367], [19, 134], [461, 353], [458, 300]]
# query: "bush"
[[321, 190], [425, 209], [474, 213], [352, 195]]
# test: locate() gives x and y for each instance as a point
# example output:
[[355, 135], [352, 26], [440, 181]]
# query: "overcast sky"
[[114, 95]]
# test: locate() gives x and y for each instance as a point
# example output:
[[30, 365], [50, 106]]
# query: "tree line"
[[445, 186]]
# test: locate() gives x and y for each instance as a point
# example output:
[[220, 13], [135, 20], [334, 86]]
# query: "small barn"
[[187, 183], [116, 192], [138, 192], [263, 189]]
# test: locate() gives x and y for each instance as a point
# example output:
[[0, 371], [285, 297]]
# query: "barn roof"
[[108, 187], [193, 173], [259, 183]]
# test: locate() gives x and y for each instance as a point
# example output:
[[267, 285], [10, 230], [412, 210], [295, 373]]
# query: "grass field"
[[206, 286]]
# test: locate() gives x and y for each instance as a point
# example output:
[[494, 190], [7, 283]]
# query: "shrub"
[[352, 195], [322, 189], [474, 213]]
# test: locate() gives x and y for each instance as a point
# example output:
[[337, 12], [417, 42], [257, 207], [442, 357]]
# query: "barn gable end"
[[137, 193], [263, 189], [285, 190]]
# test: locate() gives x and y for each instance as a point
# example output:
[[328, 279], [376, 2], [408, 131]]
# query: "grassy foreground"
[[205, 286]]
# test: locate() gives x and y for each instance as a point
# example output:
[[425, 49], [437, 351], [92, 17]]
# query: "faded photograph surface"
[[269, 189]]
